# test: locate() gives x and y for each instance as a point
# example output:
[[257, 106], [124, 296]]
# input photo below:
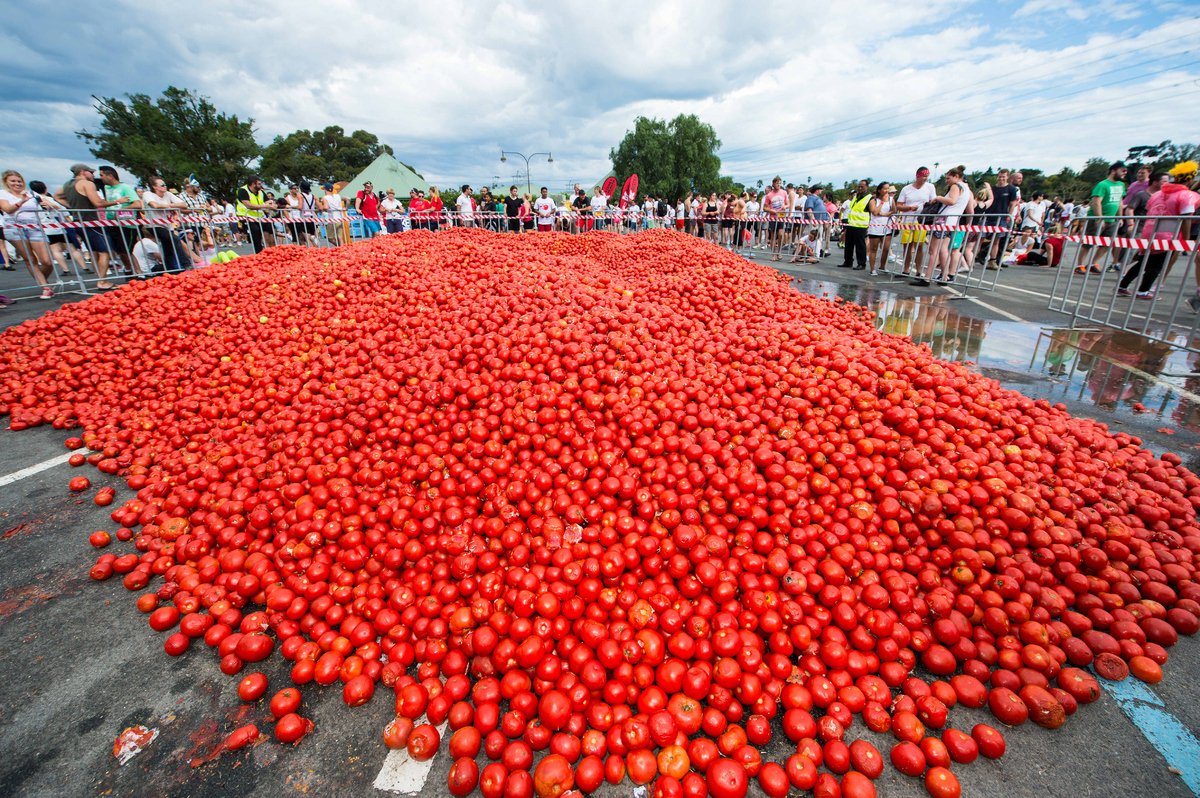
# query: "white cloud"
[[832, 92]]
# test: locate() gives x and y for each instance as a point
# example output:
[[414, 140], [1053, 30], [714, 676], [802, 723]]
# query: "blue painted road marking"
[[1173, 740]]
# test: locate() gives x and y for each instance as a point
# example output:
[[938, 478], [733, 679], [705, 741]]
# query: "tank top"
[[334, 201], [710, 210], [76, 201], [950, 213], [878, 225]]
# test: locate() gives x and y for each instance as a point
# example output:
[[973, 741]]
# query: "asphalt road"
[[78, 664]]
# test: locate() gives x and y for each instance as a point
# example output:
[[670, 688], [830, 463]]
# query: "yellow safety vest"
[[257, 199], [858, 216]]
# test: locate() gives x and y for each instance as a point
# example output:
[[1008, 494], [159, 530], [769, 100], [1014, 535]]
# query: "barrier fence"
[[1134, 274], [79, 250]]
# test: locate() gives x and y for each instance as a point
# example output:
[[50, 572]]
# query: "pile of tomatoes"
[[610, 507]]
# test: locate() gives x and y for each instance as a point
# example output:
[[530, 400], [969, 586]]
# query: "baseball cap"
[[81, 167], [1117, 165], [923, 171], [328, 186]]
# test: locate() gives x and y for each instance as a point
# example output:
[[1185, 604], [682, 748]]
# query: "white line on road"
[[994, 309], [403, 774], [17, 476]]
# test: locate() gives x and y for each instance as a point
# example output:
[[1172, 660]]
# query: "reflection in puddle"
[[1129, 378]]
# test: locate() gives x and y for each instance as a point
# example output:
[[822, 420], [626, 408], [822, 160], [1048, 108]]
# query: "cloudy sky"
[[828, 91]]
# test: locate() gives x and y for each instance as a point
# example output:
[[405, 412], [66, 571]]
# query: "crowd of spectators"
[[164, 229]]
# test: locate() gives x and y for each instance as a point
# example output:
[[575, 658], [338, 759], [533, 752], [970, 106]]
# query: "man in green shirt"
[[121, 240], [1105, 210]]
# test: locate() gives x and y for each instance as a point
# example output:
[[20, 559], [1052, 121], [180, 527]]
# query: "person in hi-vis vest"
[[252, 206], [855, 231]]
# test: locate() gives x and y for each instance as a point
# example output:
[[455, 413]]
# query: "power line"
[[964, 91]]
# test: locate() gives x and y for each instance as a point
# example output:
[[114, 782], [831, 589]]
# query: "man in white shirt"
[[465, 204], [599, 206], [911, 198], [544, 210], [648, 208], [148, 255]]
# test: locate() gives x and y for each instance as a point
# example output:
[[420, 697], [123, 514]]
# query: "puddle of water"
[[1127, 377]]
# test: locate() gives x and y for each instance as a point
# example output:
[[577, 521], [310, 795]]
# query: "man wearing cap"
[[912, 198], [1105, 208], [252, 206], [81, 195], [366, 203]]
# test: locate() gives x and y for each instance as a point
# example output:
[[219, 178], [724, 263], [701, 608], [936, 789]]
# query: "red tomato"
[[941, 783], [553, 776], [463, 776], [727, 779], [285, 701], [423, 742], [291, 728], [253, 687]]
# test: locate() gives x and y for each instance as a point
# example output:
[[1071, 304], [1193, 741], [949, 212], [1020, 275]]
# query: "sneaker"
[[47, 293], [919, 282], [1124, 292], [1112, 267], [1081, 269], [1144, 295], [1194, 303], [1096, 269]]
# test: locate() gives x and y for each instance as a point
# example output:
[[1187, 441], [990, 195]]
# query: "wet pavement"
[[78, 664]]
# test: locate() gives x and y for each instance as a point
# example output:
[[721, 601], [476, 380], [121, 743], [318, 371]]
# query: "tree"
[[320, 155], [177, 135], [670, 158]]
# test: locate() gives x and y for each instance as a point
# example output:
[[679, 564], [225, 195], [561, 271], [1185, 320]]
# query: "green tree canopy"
[[175, 136], [320, 155], [670, 158]]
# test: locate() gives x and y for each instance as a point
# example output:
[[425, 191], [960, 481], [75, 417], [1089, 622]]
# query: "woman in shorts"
[[711, 217], [879, 229], [22, 207]]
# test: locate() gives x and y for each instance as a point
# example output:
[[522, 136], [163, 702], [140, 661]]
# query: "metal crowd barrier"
[[1129, 276]]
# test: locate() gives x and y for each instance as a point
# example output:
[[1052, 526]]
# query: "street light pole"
[[528, 181]]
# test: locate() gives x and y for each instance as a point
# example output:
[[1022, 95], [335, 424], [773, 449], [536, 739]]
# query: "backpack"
[[929, 212], [661, 209]]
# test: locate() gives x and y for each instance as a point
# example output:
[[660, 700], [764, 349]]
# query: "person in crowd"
[[1033, 218], [753, 209], [161, 208], [599, 208], [726, 208], [252, 208], [418, 210], [815, 214], [332, 207], [809, 248], [1103, 210], [306, 228], [775, 205], [436, 209], [1140, 183], [393, 212], [1006, 199], [1177, 201], [545, 210], [198, 233], [148, 254], [879, 229], [63, 251], [512, 209], [858, 218], [465, 207], [122, 238], [580, 222], [955, 202], [909, 202], [22, 211], [79, 195], [526, 213], [710, 214], [367, 205]]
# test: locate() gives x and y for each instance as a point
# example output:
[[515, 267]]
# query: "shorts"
[[774, 227], [30, 235], [940, 234], [727, 224], [122, 239], [957, 241], [1029, 226], [679, 223], [878, 235], [371, 228], [1102, 227], [913, 236], [545, 228]]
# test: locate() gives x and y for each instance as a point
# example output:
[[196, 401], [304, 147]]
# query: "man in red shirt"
[[366, 203]]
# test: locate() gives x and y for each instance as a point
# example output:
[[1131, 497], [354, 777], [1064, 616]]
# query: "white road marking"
[[403, 774], [994, 309], [17, 476]]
